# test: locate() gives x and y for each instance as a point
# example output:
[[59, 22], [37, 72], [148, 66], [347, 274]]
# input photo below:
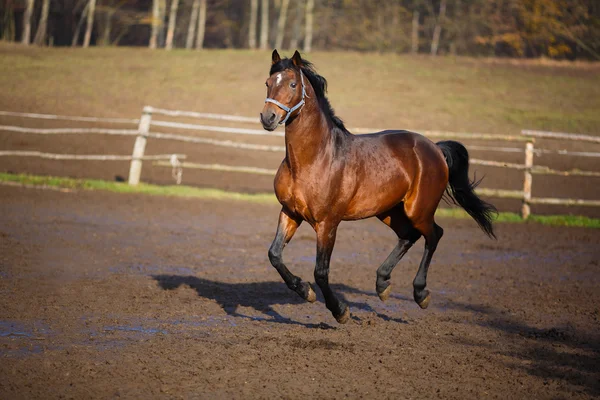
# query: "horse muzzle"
[[269, 120]]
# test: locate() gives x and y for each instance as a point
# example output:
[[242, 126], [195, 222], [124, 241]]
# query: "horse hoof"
[[425, 302], [311, 297], [342, 319], [385, 294]]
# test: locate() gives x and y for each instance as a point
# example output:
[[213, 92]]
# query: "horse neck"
[[308, 136]]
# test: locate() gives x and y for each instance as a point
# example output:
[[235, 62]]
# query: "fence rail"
[[95, 157], [143, 133], [69, 118], [224, 168], [192, 114], [215, 142], [68, 131], [561, 136]]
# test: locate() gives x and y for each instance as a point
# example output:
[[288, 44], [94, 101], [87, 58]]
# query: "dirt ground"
[[105, 295]]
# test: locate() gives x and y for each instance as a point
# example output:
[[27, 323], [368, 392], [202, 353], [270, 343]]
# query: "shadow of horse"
[[555, 353], [262, 296]]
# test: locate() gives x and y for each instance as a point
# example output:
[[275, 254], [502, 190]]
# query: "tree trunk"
[[90, 23], [79, 25], [281, 23], [437, 30], [310, 5], [414, 48], [201, 25], [155, 24], [264, 24], [459, 38], [107, 26], [8, 33], [297, 23], [395, 31], [27, 22], [189, 40], [252, 27], [160, 42], [40, 35], [172, 24]]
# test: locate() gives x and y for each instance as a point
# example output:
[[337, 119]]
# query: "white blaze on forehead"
[[279, 78]]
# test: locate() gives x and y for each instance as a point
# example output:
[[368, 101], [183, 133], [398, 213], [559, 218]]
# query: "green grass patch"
[[143, 188], [567, 220], [509, 217], [262, 198]]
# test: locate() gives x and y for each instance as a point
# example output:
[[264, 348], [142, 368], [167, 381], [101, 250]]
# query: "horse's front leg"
[[288, 224], [326, 232]]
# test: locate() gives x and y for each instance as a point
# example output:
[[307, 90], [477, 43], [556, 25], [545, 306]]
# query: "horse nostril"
[[272, 118]]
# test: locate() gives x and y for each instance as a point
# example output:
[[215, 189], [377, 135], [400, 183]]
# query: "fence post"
[[135, 169], [526, 209]]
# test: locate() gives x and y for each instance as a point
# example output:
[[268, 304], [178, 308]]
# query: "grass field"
[[367, 90]]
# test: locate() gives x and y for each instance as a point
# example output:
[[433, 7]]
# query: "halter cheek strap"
[[287, 109]]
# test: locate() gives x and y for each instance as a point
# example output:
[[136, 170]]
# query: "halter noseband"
[[287, 109]]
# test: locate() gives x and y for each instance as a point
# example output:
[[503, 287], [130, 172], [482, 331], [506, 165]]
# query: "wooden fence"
[[144, 132], [136, 158], [526, 136]]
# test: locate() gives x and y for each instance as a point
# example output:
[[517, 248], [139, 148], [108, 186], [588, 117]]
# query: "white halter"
[[287, 109]]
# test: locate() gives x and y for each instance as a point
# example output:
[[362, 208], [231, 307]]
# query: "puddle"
[[137, 329], [14, 329], [210, 321], [24, 338], [9, 328]]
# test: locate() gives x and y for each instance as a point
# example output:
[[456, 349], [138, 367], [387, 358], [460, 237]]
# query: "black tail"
[[461, 189]]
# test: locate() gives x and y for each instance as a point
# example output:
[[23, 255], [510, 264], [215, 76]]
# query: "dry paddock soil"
[[105, 295]]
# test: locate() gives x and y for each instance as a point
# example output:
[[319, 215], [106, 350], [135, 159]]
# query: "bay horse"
[[329, 175]]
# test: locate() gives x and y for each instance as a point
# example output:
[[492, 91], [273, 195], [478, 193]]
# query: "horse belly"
[[375, 197]]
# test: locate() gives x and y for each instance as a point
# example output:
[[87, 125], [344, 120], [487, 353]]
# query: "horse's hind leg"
[[407, 236], [288, 224], [432, 233]]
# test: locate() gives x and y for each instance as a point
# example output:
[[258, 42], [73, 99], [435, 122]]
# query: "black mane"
[[318, 83]]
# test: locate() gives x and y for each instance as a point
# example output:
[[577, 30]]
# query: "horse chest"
[[297, 196], [293, 198]]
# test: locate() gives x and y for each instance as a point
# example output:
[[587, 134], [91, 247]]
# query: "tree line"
[[513, 28]]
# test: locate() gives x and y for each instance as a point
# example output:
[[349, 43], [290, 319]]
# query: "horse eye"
[[266, 84], [293, 85]]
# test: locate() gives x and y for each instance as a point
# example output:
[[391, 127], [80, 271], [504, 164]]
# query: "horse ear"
[[296, 59], [275, 57]]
